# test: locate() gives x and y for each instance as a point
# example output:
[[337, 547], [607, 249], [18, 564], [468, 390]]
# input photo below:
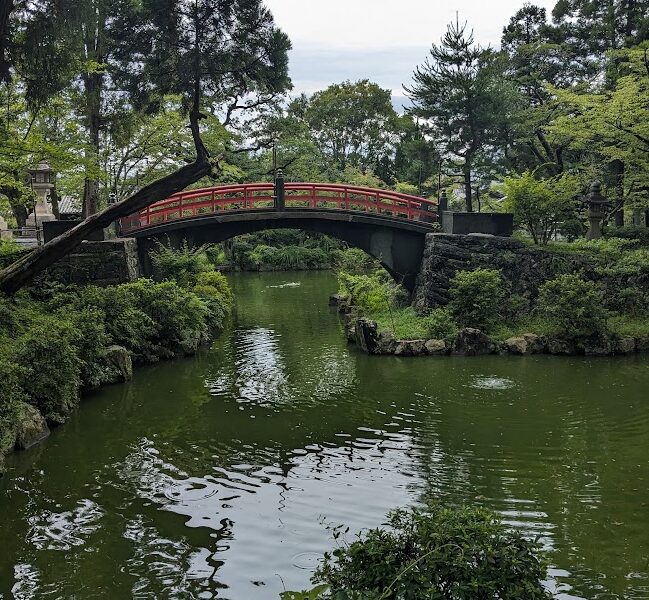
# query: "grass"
[[629, 325], [404, 323]]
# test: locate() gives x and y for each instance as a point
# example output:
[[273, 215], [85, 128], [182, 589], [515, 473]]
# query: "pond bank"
[[469, 341], [58, 342]]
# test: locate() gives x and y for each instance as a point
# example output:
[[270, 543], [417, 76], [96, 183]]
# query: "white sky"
[[382, 40]]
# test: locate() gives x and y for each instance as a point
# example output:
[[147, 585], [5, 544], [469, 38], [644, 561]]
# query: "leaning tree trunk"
[[20, 273]]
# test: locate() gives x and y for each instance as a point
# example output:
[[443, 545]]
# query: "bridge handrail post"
[[280, 197]]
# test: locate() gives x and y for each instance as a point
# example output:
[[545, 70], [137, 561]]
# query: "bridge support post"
[[279, 191], [442, 207]]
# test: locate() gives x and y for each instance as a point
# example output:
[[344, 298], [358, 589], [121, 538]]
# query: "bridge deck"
[[259, 197]]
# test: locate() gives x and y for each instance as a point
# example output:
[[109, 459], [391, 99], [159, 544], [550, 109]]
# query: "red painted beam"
[[253, 196]]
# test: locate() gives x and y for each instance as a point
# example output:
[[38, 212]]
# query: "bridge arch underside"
[[397, 244]]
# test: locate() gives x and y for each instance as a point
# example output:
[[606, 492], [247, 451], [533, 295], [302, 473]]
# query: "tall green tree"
[[614, 125], [353, 124], [207, 52], [590, 28], [460, 92], [536, 59]]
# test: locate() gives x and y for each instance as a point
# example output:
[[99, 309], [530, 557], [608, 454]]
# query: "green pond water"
[[216, 476]]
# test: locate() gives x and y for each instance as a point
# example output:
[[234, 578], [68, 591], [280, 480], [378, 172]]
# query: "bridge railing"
[[256, 196]]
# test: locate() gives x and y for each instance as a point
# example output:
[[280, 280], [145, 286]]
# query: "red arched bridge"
[[388, 225]]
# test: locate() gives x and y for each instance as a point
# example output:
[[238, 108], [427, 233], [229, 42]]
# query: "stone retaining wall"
[[525, 268], [103, 263]]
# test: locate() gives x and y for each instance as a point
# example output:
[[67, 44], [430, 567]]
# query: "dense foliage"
[[574, 305], [478, 298], [434, 552], [55, 340]]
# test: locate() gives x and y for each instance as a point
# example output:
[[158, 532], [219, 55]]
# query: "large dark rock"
[[473, 342], [624, 345], [561, 346], [367, 335], [524, 268], [385, 343], [436, 347], [410, 348], [528, 343], [597, 345], [107, 262]]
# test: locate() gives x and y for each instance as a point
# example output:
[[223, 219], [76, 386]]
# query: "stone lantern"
[[42, 182], [597, 207]]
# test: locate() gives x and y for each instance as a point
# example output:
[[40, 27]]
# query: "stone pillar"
[[279, 191], [597, 205], [443, 206]]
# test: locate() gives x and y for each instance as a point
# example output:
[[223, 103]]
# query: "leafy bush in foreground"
[[10, 398], [477, 298], [181, 265], [436, 552], [52, 368], [574, 305]]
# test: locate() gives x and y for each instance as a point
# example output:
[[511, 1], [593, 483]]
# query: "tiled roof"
[[69, 205]]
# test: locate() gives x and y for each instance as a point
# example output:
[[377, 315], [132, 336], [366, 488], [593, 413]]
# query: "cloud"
[[381, 40]]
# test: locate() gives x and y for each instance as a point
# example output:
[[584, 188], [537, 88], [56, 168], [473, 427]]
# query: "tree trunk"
[[6, 8], [20, 273], [468, 192], [617, 166], [20, 214], [93, 85]]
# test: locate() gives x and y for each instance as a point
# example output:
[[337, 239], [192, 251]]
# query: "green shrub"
[[478, 298], [541, 206], [51, 368], [436, 552], [639, 234], [440, 324], [406, 324], [125, 323], [219, 282], [181, 265], [179, 315], [353, 260], [575, 306], [90, 340], [11, 395], [373, 293], [150, 319], [213, 288]]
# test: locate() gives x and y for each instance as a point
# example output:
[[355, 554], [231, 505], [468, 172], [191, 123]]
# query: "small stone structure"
[[100, 263], [42, 182]]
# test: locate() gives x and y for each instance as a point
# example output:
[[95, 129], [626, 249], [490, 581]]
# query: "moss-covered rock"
[[473, 342], [31, 427], [118, 363]]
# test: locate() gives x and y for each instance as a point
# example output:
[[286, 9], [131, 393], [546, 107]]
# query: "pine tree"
[[459, 92]]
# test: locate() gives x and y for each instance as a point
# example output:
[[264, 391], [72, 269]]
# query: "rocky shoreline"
[[472, 342]]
